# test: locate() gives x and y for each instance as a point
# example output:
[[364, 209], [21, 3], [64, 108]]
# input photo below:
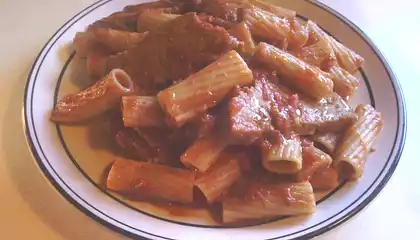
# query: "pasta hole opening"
[[123, 79], [346, 170], [323, 148], [285, 167]]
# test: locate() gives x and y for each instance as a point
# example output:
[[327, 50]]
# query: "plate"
[[74, 162]]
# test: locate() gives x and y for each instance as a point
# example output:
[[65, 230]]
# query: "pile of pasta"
[[235, 98]]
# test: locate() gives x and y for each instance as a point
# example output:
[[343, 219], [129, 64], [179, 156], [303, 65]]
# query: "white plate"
[[73, 162]]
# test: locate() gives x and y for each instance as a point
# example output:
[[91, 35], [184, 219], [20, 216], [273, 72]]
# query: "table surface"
[[32, 209]]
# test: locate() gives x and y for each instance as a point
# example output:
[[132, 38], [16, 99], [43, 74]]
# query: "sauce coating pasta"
[[235, 106]]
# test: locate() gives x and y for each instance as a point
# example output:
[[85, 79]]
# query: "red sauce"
[[186, 45]]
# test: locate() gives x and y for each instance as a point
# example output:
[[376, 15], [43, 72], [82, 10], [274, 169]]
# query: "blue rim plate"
[[74, 163]]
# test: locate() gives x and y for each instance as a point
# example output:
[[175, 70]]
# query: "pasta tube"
[[242, 33], [347, 58], [319, 54], [282, 155], [142, 111], [357, 142], [345, 84], [309, 79], [327, 141], [217, 180], [101, 96], [150, 21], [204, 89], [313, 159], [325, 178], [266, 25], [268, 200], [151, 181], [299, 34], [204, 152]]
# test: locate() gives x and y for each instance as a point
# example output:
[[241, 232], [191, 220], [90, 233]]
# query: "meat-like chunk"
[[111, 40], [249, 115], [262, 108], [228, 10], [331, 114], [283, 104], [173, 52], [215, 21]]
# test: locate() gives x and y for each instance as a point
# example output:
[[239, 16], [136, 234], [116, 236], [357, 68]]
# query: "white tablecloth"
[[31, 209]]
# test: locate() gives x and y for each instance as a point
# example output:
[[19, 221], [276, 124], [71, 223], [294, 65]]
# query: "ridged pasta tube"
[[96, 99], [142, 111], [242, 33], [151, 181], [309, 79], [217, 180], [347, 58], [282, 155], [204, 89], [268, 200], [328, 140], [357, 142], [267, 25]]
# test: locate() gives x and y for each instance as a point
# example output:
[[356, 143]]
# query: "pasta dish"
[[238, 102]]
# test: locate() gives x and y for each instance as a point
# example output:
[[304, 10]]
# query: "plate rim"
[[400, 100]]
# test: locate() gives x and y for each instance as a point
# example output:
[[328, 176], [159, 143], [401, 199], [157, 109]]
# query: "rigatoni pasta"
[[218, 179], [357, 142], [148, 180], [204, 89], [345, 84], [142, 111], [265, 201], [327, 141], [313, 160], [309, 79], [98, 98], [318, 54], [204, 152], [267, 25], [241, 32], [282, 155], [347, 58], [235, 106], [299, 34], [325, 178]]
